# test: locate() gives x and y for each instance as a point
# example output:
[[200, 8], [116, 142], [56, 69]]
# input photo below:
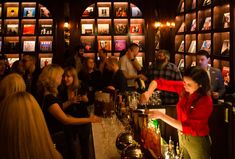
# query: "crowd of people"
[[44, 111]]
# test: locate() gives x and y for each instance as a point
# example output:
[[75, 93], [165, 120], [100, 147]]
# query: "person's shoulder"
[[172, 66], [215, 70]]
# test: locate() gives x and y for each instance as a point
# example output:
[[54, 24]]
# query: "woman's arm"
[[166, 118], [58, 113], [145, 96]]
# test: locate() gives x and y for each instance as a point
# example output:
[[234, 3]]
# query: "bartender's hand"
[[156, 114], [144, 97], [95, 119], [143, 77], [215, 95]]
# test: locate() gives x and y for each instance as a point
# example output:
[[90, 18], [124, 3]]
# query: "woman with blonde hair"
[[10, 84], [74, 88], [24, 133], [52, 107]]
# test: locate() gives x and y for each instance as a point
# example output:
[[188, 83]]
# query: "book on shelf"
[[44, 12], [226, 75], [11, 60], [181, 6], [181, 64], [87, 29], [46, 29], [0, 11], [135, 12], [206, 2], [103, 12], [225, 48], [120, 45], [89, 12], [104, 44], [28, 29], [121, 11], [193, 4], [0, 46], [28, 46], [207, 24], [226, 20], [29, 12], [12, 46], [120, 28], [181, 28], [44, 61], [103, 28], [88, 44], [136, 28], [181, 47], [139, 43], [12, 12], [192, 47], [0, 28], [45, 46], [12, 29], [140, 60], [206, 45], [193, 25]]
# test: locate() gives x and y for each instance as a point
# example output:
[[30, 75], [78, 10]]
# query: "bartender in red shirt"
[[193, 109]]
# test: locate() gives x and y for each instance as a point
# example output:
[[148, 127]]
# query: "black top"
[[76, 110], [119, 81], [52, 123]]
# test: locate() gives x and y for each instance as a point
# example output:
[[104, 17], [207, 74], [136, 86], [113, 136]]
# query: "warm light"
[[66, 25], [157, 24], [172, 24], [168, 24]]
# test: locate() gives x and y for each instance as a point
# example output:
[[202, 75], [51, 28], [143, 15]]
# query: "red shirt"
[[193, 112]]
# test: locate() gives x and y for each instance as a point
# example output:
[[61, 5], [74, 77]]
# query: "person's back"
[[30, 140]]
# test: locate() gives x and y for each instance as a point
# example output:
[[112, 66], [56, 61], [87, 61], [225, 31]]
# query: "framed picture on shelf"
[[226, 20], [193, 25], [45, 46], [88, 44], [192, 47], [181, 47], [120, 45], [206, 45], [46, 29], [28, 29], [44, 61], [207, 24], [206, 2], [225, 48], [29, 12], [89, 12], [12, 46], [226, 75], [103, 12], [121, 11], [135, 12], [11, 60], [181, 64], [87, 29], [181, 28], [103, 28], [28, 46], [139, 43], [44, 12], [136, 28], [120, 28], [104, 44], [12, 29], [193, 4], [12, 12]]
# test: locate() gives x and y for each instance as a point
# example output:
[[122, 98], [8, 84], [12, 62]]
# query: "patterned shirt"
[[169, 72]]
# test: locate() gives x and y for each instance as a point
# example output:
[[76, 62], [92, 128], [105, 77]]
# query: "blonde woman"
[[74, 88], [48, 82], [24, 133], [10, 84]]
